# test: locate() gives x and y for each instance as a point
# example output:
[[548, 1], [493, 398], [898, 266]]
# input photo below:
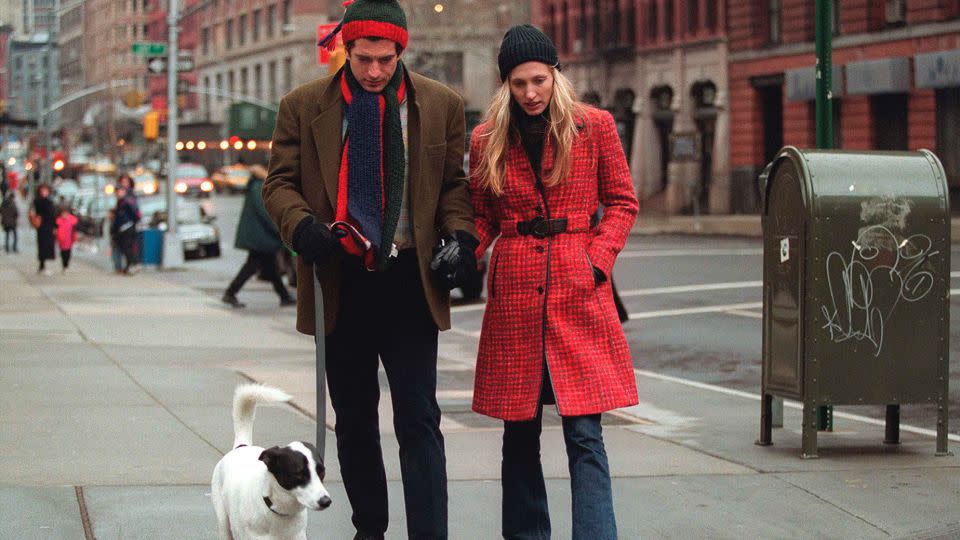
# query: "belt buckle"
[[538, 227]]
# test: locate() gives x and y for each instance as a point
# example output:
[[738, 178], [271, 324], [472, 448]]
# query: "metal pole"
[[824, 39], [172, 249]]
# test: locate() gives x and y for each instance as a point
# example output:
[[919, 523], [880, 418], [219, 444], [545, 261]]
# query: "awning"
[[938, 69], [885, 76], [802, 83]]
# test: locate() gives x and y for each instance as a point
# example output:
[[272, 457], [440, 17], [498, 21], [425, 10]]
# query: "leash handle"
[[320, 340]]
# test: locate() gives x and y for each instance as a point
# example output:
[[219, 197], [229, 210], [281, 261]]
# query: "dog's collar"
[[269, 503]]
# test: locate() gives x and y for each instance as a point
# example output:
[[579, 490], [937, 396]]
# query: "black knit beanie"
[[525, 43]]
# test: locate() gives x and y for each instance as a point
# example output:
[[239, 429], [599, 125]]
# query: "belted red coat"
[[542, 301]]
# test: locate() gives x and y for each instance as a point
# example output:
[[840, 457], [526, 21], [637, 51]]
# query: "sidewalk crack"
[[830, 503]]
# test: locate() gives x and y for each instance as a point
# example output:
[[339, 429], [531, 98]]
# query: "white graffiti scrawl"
[[881, 272]]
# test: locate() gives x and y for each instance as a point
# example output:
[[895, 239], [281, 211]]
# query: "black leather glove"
[[454, 264], [314, 241], [598, 276]]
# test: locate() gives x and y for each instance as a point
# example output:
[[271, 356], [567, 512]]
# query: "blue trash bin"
[[152, 246]]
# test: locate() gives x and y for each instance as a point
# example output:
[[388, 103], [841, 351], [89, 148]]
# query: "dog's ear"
[[268, 455]]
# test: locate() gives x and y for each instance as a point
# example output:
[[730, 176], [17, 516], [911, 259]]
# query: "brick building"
[[661, 67], [896, 80], [157, 31]]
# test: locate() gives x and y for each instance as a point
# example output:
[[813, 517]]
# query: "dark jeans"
[[127, 242], [265, 263], [7, 233], [385, 314], [65, 258], [525, 513]]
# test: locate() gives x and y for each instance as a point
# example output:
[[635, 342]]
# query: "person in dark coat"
[[541, 164], [46, 216], [257, 234], [124, 227], [9, 215]]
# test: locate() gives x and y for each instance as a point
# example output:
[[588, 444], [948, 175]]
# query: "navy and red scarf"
[[372, 168]]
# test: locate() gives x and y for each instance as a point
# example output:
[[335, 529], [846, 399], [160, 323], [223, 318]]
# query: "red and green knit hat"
[[371, 18]]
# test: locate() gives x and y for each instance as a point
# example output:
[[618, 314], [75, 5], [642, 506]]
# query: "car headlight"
[[180, 187], [206, 185]]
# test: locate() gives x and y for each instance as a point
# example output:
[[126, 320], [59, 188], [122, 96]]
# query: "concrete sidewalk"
[[115, 406]]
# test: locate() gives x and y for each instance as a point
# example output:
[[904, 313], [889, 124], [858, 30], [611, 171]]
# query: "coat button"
[[539, 249], [539, 290]]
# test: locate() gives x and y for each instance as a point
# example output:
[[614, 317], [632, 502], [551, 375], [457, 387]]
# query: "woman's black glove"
[[454, 263], [314, 241]]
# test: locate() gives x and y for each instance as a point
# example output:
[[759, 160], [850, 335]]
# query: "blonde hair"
[[566, 112]]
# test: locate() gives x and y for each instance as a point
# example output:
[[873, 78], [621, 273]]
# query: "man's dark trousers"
[[385, 315]]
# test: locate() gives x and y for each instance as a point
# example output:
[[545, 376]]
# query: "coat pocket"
[[493, 275]]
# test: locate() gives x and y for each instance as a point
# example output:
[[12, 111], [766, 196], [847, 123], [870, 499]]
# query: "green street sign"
[[146, 48]]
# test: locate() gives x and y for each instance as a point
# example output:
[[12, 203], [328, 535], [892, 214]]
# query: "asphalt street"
[[695, 305]]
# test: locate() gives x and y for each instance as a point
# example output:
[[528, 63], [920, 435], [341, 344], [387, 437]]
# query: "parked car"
[[92, 211], [193, 179], [232, 178], [200, 238]]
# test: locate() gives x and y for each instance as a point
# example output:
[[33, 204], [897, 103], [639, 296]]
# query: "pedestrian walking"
[[43, 218], [66, 235], [116, 254], [257, 234], [9, 217], [541, 164], [123, 229], [366, 176]]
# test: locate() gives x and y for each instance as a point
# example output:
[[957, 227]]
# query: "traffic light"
[[151, 125]]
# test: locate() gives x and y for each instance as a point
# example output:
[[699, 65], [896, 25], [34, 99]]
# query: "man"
[[366, 175]]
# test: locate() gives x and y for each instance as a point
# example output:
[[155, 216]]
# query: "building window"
[[774, 12], [244, 72], [597, 30], [653, 22], [242, 30], [256, 25], [205, 40], [272, 80], [219, 88], [693, 16], [231, 87], [285, 15], [711, 22], [669, 22], [288, 74], [258, 81], [229, 32], [631, 16], [206, 97], [835, 16], [895, 12], [271, 19]]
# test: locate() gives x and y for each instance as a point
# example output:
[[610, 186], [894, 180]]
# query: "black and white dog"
[[265, 493]]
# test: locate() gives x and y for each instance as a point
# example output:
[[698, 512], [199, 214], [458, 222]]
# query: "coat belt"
[[540, 227]]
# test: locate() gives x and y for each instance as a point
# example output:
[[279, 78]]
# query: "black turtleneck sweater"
[[533, 130]]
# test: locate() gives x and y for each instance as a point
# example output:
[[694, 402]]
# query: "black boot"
[[288, 301], [230, 298]]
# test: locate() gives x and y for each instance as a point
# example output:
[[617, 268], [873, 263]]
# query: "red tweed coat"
[[541, 293]]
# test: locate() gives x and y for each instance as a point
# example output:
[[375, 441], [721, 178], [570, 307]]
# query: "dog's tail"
[[245, 401]]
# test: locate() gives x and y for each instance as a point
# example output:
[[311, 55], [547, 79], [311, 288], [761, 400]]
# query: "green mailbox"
[[856, 276]]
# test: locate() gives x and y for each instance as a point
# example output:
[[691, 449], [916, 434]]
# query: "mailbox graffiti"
[[882, 271]]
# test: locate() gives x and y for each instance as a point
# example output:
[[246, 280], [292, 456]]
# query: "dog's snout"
[[324, 502]]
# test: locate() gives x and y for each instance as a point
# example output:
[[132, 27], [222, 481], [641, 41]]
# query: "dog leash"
[[320, 340]]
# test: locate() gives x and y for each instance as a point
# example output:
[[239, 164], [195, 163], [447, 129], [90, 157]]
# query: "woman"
[[257, 234], [44, 219], [541, 165], [123, 229]]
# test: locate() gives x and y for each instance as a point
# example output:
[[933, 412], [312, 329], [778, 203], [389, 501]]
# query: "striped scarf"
[[370, 188]]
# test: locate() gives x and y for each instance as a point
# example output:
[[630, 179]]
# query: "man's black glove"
[[314, 241], [454, 263]]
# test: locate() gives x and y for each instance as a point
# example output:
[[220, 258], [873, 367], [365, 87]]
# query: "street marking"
[[788, 403], [690, 253], [692, 288], [694, 311], [750, 314], [677, 289]]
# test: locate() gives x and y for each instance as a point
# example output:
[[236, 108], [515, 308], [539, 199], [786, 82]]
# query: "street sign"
[[146, 48], [158, 64]]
